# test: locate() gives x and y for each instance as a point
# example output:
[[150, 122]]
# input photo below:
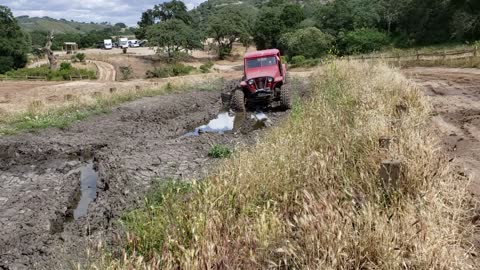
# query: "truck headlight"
[[270, 79], [250, 82]]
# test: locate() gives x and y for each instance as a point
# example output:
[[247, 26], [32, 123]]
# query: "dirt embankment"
[[64, 189]]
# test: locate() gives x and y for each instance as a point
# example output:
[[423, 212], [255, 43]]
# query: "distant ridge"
[[46, 24]]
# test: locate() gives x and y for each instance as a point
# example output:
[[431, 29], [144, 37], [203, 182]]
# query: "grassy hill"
[[45, 24]]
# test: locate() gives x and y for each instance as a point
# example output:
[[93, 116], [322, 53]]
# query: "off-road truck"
[[264, 82]]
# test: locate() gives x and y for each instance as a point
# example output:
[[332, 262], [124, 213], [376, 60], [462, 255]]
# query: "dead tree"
[[52, 59]]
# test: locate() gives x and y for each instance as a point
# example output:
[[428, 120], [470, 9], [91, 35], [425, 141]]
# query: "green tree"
[[229, 24], [292, 15], [309, 42], [14, 44], [268, 29], [166, 11], [173, 36]]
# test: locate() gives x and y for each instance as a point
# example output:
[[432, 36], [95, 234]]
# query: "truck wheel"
[[285, 99], [238, 101]]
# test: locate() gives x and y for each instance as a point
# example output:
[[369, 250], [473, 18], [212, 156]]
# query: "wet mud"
[[62, 191]]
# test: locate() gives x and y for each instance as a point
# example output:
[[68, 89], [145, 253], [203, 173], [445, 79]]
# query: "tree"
[[120, 25], [292, 15], [173, 36], [229, 24], [14, 44], [268, 29], [309, 42], [166, 11]]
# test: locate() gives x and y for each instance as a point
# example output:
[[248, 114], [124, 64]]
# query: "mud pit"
[[44, 222]]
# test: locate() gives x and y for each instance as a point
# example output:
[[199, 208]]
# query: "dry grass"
[[309, 195], [468, 62]]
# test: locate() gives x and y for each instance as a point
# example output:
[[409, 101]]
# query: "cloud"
[[113, 11]]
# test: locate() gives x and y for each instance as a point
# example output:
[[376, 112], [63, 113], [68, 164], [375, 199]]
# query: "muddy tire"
[[285, 98], [238, 101]]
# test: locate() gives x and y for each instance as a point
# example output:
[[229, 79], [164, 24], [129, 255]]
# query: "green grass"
[[36, 117], [219, 151], [59, 26]]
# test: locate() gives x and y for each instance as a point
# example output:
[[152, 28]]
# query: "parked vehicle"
[[264, 82], [123, 43], [133, 43], [107, 44]]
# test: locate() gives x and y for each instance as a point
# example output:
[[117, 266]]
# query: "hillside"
[[45, 24]]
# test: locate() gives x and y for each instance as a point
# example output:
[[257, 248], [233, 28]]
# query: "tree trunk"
[[52, 59]]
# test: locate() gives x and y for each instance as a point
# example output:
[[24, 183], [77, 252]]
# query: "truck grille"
[[261, 83]]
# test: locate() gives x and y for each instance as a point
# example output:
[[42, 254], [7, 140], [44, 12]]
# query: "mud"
[[62, 191]]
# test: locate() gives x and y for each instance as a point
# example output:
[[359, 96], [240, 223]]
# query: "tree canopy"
[[14, 43]]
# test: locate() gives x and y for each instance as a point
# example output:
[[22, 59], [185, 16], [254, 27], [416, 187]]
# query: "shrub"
[[219, 151], [65, 66], [126, 72], [364, 40], [81, 57], [310, 42], [298, 60], [205, 68]]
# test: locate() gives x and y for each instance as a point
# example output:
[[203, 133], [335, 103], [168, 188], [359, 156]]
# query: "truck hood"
[[271, 71]]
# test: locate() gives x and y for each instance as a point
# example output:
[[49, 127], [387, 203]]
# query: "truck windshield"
[[261, 62]]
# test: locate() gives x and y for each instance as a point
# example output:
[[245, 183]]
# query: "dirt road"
[[106, 71], [455, 95], [63, 189]]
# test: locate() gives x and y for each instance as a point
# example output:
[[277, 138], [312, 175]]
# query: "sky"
[[113, 11]]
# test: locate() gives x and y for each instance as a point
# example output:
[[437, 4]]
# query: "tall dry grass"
[[308, 196]]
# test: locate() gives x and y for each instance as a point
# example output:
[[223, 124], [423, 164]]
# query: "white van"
[[123, 43], [107, 44]]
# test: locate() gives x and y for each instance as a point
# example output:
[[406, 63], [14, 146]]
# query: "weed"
[[219, 151]]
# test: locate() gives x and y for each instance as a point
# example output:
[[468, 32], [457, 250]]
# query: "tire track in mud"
[[141, 140]]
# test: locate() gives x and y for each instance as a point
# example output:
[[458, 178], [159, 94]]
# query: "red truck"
[[264, 82]]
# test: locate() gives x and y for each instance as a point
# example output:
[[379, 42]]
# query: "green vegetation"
[[321, 203], [205, 68], [14, 44], [65, 73], [38, 116], [173, 70], [219, 151]]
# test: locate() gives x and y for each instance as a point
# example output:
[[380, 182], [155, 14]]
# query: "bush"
[[205, 68], [65, 66], [364, 40], [310, 42], [219, 151], [170, 71], [126, 71], [298, 60], [81, 57]]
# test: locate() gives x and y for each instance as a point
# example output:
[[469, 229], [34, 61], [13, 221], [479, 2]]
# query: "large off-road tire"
[[238, 101], [285, 97]]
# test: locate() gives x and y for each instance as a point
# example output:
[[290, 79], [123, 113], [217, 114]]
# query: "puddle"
[[223, 123], [227, 122], [88, 187]]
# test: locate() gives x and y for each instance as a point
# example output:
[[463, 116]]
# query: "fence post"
[[475, 49], [418, 55], [444, 54]]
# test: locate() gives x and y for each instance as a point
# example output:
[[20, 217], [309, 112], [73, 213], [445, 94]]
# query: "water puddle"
[[228, 122], [88, 188], [223, 123]]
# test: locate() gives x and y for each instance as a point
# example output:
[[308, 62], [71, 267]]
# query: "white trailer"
[[123, 43]]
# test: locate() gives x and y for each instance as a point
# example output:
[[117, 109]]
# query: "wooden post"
[[113, 90], [390, 171], [475, 49], [418, 55]]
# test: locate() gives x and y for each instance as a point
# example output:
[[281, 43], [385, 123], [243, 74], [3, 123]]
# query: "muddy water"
[[229, 122], [88, 184]]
